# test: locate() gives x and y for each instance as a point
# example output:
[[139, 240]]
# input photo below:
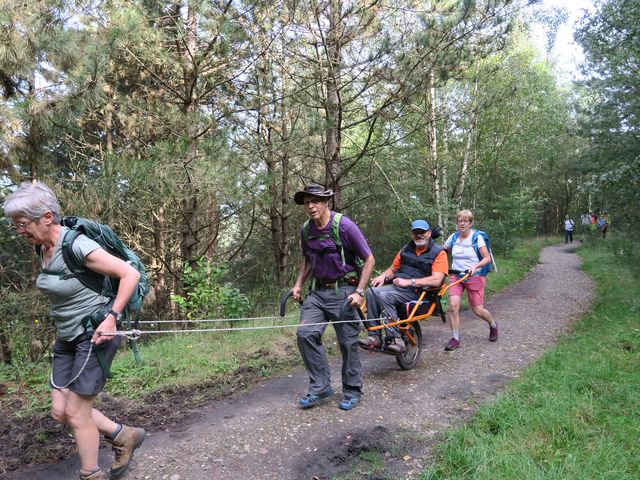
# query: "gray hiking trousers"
[[383, 301], [322, 306]]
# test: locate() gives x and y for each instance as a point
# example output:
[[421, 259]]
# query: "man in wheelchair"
[[420, 263]]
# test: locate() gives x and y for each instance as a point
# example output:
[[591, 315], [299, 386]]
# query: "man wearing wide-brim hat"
[[420, 263], [337, 257]]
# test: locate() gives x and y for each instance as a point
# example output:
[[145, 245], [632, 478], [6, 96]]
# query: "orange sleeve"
[[441, 263], [395, 266]]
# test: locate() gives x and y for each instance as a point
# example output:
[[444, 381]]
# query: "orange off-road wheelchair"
[[428, 305]]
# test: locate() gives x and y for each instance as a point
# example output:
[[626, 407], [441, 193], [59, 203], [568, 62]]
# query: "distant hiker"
[[585, 224], [79, 358], [568, 229], [420, 263], [337, 256], [469, 251], [603, 223]]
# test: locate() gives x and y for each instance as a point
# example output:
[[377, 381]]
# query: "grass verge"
[[575, 414]]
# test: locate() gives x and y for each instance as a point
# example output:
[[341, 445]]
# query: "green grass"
[[195, 359], [575, 414], [190, 359], [169, 361]]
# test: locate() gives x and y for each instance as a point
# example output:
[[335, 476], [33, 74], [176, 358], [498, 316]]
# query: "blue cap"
[[419, 225]]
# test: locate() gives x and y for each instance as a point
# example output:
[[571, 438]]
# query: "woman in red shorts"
[[465, 258]]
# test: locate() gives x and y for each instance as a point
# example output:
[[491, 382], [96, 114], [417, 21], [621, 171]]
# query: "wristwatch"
[[413, 282], [360, 292], [115, 314]]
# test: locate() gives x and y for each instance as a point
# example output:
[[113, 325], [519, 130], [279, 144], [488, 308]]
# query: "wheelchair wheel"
[[411, 355]]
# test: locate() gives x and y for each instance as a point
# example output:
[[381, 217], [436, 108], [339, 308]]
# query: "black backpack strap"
[[89, 278], [46, 271]]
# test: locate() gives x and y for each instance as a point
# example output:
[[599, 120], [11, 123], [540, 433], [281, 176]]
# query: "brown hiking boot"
[[125, 443], [97, 475]]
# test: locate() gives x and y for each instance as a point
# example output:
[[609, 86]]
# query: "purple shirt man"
[[331, 267], [334, 286]]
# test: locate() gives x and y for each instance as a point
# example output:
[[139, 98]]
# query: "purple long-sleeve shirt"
[[328, 267]]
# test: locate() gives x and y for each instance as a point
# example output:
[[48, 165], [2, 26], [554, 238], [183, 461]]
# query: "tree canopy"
[[188, 126]]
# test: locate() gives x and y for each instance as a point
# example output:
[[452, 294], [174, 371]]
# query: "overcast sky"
[[566, 53]]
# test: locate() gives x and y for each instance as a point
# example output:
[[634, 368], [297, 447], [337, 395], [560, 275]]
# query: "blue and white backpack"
[[484, 271]]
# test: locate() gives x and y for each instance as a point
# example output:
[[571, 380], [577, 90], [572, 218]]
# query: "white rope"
[[218, 320], [134, 334], [86, 360]]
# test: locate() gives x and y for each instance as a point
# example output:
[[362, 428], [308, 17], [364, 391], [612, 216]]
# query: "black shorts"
[[70, 356]]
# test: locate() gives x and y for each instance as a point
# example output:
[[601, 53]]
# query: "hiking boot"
[[371, 342], [313, 399], [348, 403], [493, 333], [452, 345], [124, 444], [97, 475], [396, 345]]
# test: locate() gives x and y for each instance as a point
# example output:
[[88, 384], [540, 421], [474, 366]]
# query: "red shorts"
[[474, 287]]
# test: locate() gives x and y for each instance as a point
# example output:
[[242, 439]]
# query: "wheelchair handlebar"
[[458, 272], [343, 310], [283, 302]]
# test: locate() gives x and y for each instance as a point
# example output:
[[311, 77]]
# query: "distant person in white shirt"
[[568, 229]]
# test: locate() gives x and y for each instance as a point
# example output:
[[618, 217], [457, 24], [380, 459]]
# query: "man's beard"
[[420, 243]]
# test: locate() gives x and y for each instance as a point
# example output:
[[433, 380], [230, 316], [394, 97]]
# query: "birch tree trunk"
[[469, 150], [433, 147], [444, 174]]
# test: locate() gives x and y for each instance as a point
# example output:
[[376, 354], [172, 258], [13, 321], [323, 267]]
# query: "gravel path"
[[261, 434]]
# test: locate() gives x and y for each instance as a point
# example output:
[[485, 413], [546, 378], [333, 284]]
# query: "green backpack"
[[349, 258], [102, 284], [109, 241]]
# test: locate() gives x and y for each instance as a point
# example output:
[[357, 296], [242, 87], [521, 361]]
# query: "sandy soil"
[[261, 434]]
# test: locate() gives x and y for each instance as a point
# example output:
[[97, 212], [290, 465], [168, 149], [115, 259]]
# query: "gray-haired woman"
[[77, 376]]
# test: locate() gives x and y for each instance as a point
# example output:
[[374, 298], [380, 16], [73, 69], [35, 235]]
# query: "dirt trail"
[[261, 434]]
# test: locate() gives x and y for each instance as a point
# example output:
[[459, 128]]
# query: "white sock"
[[455, 334]]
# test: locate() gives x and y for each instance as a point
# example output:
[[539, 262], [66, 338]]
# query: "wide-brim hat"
[[315, 190]]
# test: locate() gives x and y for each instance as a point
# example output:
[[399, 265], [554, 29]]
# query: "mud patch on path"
[[377, 453]]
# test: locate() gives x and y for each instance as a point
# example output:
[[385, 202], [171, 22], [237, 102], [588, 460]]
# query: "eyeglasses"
[[418, 231], [23, 225], [463, 221]]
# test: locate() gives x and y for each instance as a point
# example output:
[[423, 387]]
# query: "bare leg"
[[454, 312], [105, 425], [483, 313], [58, 405], [86, 423], [78, 412]]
